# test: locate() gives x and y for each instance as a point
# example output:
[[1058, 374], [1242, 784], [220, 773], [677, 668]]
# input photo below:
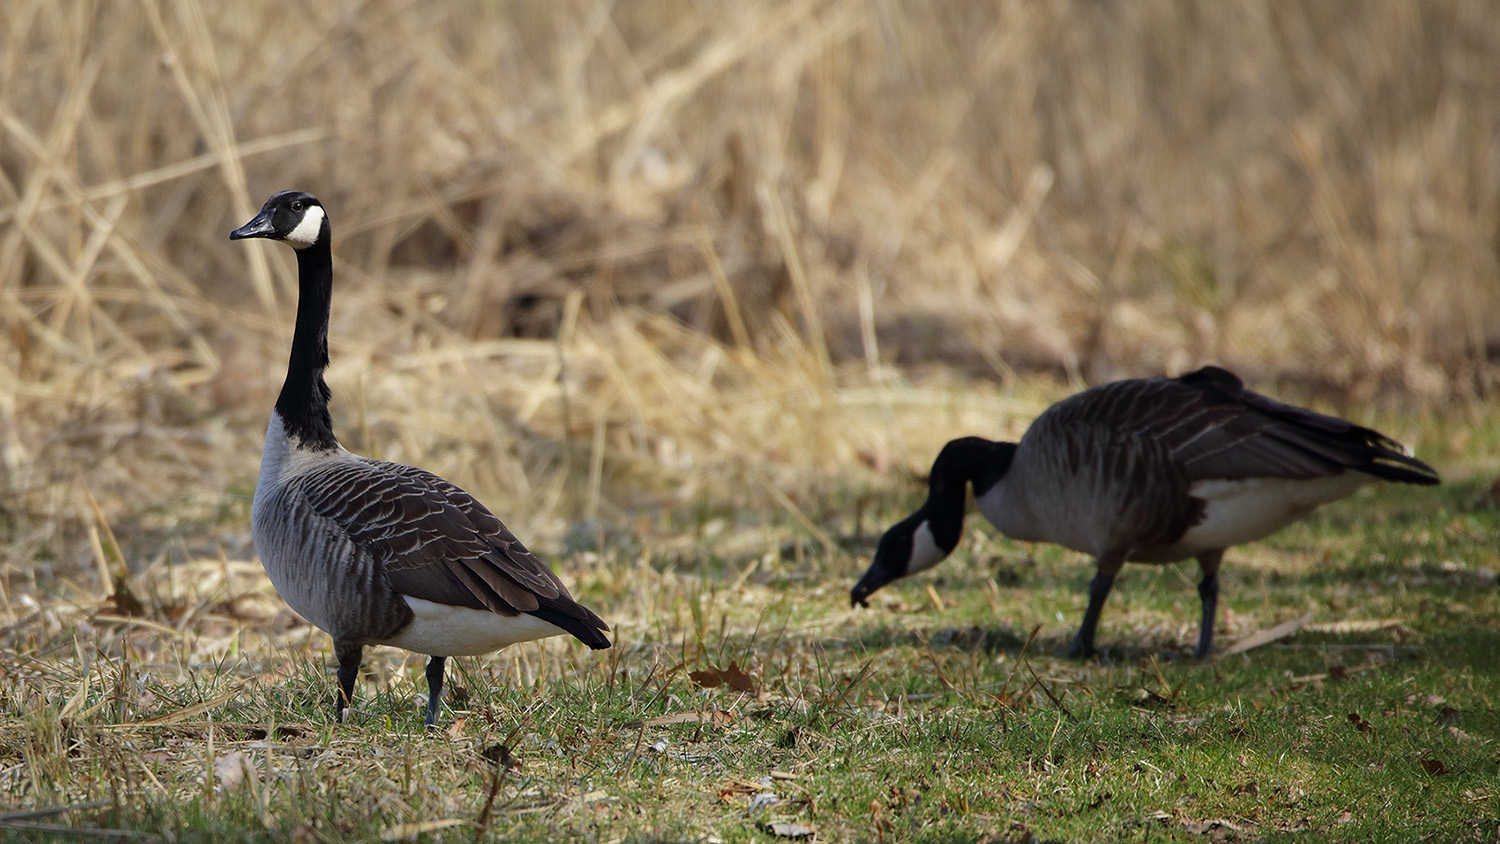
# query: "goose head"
[[291, 216], [908, 547], [926, 537]]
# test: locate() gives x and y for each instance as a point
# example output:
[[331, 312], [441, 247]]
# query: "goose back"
[[1162, 469]]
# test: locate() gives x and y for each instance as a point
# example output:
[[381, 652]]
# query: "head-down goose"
[[1149, 470], [378, 553]]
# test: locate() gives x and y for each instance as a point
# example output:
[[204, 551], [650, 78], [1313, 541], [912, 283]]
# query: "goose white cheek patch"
[[925, 552], [306, 233]]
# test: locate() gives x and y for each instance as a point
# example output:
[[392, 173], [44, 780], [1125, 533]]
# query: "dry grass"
[[697, 279], [586, 250]]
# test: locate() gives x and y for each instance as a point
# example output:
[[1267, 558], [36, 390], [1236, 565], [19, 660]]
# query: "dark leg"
[[350, 656], [1208, 592], [434, 688], [1109, 566]]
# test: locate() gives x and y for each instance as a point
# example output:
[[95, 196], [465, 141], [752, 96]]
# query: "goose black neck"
[[973, 460], [303, 403], [962, 462]]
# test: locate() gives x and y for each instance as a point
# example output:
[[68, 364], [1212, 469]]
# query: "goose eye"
[[296, 205]]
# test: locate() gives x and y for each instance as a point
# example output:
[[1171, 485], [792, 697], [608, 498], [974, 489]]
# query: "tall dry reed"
[[595, 259]]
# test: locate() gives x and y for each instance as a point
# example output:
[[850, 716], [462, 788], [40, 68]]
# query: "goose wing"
[[1215, 428], [434, 541]]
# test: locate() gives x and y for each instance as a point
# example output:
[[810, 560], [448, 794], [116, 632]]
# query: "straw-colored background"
[[601, 261]]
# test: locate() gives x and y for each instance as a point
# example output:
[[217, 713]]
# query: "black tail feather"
[[1391, 465], [578, 620]]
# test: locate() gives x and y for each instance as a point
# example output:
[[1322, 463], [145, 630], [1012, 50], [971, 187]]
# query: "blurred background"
[[682, 265]]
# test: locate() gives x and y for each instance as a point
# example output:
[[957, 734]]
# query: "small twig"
[[650, 675], [26, 814], [1020, 657], [636, 751], [864, 673], [666, 678], [1161, 678], [79, 831], [1263, 637], [496, 781], [600, 732], [938, 670], [1048, 692]]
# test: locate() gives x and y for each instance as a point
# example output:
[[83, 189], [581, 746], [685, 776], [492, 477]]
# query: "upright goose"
[[377, 553], [1149, 470]]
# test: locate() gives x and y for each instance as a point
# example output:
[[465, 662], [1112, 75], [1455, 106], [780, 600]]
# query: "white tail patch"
[[444, 630], [1236, 512], [306, 233]]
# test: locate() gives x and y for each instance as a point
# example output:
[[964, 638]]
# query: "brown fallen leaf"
[[1434, 767], [500, 754], [1151, 698], [733, 677], [735, 790], [1335, 672], [123, 601]]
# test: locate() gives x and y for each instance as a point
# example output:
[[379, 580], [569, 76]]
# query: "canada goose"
[[1149, 470], [377, 553]]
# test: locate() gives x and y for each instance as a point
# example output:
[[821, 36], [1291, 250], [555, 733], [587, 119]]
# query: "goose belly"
[[444, 630], [1240, 511]]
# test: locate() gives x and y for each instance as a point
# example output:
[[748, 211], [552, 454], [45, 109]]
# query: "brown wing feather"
[[497, 546], [1215, 428], [1268, 438], [436, 542]]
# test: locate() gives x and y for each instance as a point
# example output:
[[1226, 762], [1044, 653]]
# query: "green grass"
[[900, 723]]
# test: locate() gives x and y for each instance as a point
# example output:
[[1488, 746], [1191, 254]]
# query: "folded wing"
[[1243, 434], [436, 542]]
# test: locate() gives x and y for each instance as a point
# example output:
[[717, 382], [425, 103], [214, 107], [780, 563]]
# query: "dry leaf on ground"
[[733, 677]]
